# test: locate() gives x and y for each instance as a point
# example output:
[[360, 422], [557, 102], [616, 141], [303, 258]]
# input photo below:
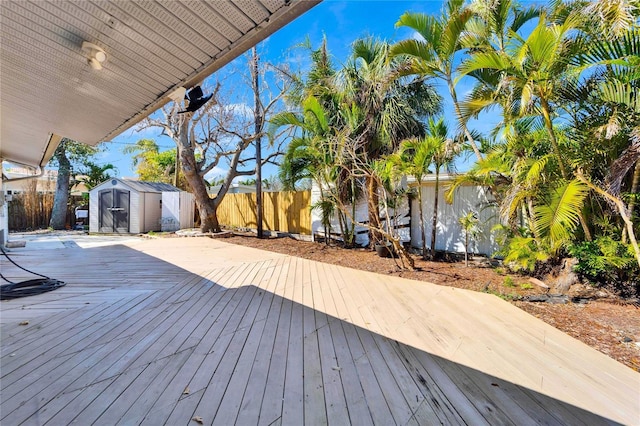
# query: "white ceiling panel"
[[49, 91]]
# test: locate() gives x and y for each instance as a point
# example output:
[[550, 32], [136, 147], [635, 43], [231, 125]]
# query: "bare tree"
[[219, 136]]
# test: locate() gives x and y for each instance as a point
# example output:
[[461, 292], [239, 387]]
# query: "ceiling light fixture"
[[96, 55]]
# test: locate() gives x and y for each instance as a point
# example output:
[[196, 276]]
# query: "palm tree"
[[435, 54], [538, 69], [493, 23], [417, 155], [443, 153], [469, 223], [389, 108], [310, 155], [414, 158], [94, 174]]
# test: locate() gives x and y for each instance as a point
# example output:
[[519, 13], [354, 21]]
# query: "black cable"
[[14, 290]]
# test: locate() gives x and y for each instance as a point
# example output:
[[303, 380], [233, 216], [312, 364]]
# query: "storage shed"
[[133, 207]]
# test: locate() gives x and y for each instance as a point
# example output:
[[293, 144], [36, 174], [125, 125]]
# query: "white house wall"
[[449, 232], [362, 216]]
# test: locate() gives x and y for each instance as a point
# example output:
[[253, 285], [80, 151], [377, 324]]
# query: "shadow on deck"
[[133, 339]]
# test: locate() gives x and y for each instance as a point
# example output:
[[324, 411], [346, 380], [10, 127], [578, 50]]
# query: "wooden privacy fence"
[[282, 211], [30, 210]]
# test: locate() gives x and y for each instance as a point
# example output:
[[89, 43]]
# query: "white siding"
[[170, 220], [362, 216], [152, 211], [94, 218], [136, 210], [187, 210], [449, 233]]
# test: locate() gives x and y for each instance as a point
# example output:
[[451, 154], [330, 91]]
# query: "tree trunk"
[[546, 114], [374, 212], [258, 119], [454, 98], [422, 233], [434, 217], [635, 189], [207, 207], [466, 249], [61, 199], [176, 173]]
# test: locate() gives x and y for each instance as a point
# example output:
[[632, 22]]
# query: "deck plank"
[[159, 331], [273, 397]]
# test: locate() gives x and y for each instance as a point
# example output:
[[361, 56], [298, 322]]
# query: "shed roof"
[[144, 186], [141, 185]]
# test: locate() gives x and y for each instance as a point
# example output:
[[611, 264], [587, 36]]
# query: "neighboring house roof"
[[235, 188], [44, 183], [141, 186], [50, 90]]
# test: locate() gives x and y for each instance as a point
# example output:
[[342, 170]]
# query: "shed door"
[[114, 210]]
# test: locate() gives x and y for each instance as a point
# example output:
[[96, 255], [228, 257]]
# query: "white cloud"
[[241, 109], [215, 173]]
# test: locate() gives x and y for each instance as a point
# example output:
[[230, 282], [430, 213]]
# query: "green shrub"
[[508, 282], [608, 263], [522, 254]]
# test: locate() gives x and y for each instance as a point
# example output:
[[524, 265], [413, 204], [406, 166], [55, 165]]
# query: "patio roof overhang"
[[49, 90]]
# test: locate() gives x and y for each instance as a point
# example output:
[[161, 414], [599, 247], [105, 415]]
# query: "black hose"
[[14, 290]]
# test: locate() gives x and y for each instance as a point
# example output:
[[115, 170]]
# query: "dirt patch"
[[613, 328]]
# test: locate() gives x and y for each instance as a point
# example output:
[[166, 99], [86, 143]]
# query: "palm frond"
[[559, 218]]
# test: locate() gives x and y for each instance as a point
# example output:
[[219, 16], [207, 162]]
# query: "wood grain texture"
[[159, 331]]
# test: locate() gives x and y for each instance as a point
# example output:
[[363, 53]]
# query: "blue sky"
[[341, 22]]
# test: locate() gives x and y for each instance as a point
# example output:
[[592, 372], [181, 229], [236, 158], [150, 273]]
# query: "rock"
[[549, 298], [537, 298], [567, 277], [539, 283], [627, 339], [602, 293], [558, 299], [581, 291]]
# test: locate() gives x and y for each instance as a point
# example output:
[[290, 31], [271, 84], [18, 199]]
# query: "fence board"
[[282, 211]]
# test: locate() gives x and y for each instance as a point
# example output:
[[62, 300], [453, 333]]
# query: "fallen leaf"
[[186, 391], [198, 419], [24, 323]]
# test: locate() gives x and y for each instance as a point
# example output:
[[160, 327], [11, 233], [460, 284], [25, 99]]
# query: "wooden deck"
[[161, 331]]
